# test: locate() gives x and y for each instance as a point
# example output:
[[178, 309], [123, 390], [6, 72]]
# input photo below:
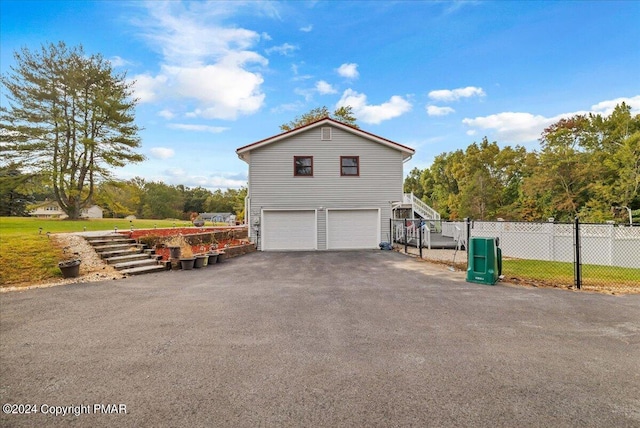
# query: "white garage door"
[[289, 230], [353, 229]]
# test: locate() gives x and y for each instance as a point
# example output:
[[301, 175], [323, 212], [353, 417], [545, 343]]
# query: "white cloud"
[[295, 69], [456, 94], [325, 88], [513, 126], [265, 36], [348, 70], [307, 93], [198, 128], [167, 114], [117, 61], [295, 106], [162, 152], [439, 111], [285, 49], [606, 107], [216, 180], [204, 62], [519, 127], [307, 29], [373, 114], [147, 88]]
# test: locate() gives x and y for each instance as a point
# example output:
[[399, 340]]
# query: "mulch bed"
[[203, 239]]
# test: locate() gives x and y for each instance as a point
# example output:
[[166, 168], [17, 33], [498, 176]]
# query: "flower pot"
[[187, 263], [199, 262], [174, 252], [213, 258], [70, 268]]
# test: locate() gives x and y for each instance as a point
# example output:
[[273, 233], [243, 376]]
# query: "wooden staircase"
[[124, 254], [420, 208]]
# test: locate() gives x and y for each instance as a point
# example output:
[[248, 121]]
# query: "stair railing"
[[420, 207]]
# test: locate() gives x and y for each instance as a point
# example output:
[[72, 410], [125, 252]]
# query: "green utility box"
[[485, 261]]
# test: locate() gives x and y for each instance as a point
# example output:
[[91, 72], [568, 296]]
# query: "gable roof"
[[243, 151]]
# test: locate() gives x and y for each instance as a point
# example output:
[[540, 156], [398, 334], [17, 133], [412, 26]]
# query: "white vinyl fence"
[[601, 244]]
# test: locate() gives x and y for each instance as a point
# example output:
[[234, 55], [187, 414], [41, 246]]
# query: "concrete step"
[[125, 258], [110, 237], [135, 263], [124, 252], [99, 242], [102, 248], [142, 270]]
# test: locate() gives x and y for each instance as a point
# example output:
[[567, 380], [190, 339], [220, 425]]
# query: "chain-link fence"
[[573, 255], [609, 256]]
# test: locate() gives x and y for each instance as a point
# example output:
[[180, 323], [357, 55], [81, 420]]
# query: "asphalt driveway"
[[318, 339]]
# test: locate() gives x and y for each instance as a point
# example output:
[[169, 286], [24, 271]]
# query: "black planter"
[[213, 259], [70, 268], [199, 263], [187, 263], [174, 252]]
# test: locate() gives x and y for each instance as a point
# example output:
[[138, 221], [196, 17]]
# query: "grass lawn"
[[561, 273], [27, 255]]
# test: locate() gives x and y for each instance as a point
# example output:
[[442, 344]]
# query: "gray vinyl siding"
[[272, 184]]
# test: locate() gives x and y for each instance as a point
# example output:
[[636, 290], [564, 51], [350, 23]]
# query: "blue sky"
[[436, 76]]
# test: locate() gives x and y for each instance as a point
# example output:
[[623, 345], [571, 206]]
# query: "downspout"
[[247, 214], [402, 188]]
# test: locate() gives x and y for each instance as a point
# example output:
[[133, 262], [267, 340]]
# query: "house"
[[217, 217], [323, 186], [51, 209]]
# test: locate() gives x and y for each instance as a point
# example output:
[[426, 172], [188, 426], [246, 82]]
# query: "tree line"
[[157, 200], [20, 192], [586, 166]]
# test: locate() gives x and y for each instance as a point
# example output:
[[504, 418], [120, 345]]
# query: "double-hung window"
[[303, 166], [350, 166]]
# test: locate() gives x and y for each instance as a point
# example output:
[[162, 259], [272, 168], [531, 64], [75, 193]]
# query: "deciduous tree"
[[343, 114], [69, 117]]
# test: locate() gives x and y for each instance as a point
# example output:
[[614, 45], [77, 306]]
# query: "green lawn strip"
[[28, 259], [561, 273], [28, 256], [29, 225]]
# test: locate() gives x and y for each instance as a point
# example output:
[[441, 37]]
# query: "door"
[[289, 230], [352, 229]]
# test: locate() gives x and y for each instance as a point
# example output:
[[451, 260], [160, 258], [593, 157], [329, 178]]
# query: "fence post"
[[467, 221], [405, 236], [577, 266], [420, 238]]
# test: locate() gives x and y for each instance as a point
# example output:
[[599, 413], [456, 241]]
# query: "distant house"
[[323, 186], [51, 209], [217, 217]]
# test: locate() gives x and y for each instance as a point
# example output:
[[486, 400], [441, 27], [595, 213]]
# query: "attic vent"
[[326, 134]]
